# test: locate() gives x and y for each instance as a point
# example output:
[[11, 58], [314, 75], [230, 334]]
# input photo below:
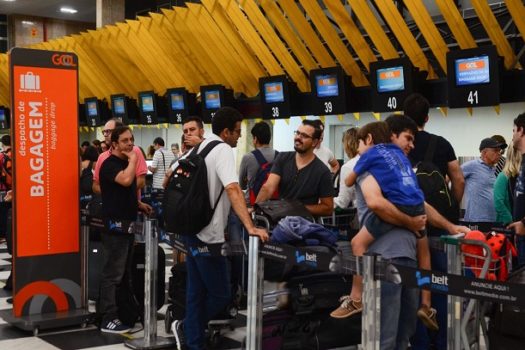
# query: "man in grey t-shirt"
[[261, 136]]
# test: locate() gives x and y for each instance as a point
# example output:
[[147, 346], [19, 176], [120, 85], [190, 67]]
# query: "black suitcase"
[[318, 292], [95, 265], [137, 274], [509, 320]]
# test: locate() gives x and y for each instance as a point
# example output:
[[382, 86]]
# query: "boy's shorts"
[[377, 227]]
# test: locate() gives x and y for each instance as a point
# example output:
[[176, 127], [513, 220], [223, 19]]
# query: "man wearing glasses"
[[479, 182], [141, 168], [301, 175]]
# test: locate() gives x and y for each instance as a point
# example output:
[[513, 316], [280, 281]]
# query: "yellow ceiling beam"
[[161, 58], [184, 27], [374, 29], [495, 33], [241, 78], [305, 30], [247, 55], [118, 36], [338, 48], [456, 24], [274, 43], [278, 19], [251, 37], [351, 31], [151, 54], [4, 81], [404, 36], [179, 54], [106, 47], [517, 11], [429, 30]]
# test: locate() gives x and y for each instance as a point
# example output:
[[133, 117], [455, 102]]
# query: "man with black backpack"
[[208, 290], [256, 165], [435, 159]]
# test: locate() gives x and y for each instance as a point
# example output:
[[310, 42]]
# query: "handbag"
[[275, 210]]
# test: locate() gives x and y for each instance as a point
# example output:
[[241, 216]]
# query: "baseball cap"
[[500, 139], [491, 143]]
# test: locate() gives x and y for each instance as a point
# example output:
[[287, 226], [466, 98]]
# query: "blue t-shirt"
[[393, 172], [479, 191]]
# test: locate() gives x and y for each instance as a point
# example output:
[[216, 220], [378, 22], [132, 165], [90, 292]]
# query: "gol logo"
[[63, 60]]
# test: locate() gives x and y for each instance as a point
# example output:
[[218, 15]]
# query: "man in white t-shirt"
[[208, 290], [324, 153], [162, 160]]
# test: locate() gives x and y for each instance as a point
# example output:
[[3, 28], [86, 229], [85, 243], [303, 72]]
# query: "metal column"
[[371, 317], [454, 303], [255, 296]]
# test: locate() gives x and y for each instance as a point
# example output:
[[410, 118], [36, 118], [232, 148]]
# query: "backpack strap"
[[259, 157], [203, 154], [163, 160], [429, 155]]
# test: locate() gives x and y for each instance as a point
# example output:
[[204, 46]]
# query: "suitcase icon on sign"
[[30, 82]]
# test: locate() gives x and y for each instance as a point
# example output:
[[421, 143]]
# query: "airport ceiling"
[[235, 42], [51, 9]]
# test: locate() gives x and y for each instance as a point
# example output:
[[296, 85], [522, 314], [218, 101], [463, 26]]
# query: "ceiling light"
[[68, 10], [9, 0], [28, 23]]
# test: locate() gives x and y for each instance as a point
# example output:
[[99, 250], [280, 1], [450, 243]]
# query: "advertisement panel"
[[46, 261]]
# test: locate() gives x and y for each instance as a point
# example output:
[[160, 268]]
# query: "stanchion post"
[[371, 317], [255, 296], [454, 303], [84, 256], [150, 340]]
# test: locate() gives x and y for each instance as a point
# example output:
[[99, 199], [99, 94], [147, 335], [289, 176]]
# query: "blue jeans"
[[424, 337], [117, 253], [398, 311], [208, 293]]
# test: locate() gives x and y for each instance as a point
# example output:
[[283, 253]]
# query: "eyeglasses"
[[302, 135], [107, 131]]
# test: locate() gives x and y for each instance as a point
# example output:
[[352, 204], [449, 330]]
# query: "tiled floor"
[[90, 337]]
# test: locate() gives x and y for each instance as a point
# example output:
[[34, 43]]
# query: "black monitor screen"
[[273, 92], [147, 103], [390, 79], [472, 70], [177, 101], [212, 99], [118, 105], [326, 85], [2, 115], [92, 108]]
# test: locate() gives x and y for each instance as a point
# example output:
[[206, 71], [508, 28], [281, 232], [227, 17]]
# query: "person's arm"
[[457, 179], [95, 187], [269, 188], [96, 184], [334, 164], [141, 181], [501, 199], [155, 162], [439, 221], [127, 176], [236, 197], [386, 210], [351, 179], [325, 207]]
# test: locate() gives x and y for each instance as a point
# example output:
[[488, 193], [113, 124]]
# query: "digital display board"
[[390, 79], [2, 115], [92, 108], [147, 103], [273, 92], [212, 99], [177, 101], [472, 70], [118, 105], [326, 85]]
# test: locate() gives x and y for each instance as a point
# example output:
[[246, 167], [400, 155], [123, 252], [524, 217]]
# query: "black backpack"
[[187, 197], [434, 185]]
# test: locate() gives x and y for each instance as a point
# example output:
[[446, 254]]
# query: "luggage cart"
[[463, 328], [344, 222]]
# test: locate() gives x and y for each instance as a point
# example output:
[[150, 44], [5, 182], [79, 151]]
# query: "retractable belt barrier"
[[371, 267]]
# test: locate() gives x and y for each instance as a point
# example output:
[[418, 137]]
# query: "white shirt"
[[325, 154], [346, 194], [161, 164], [220, 165]]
